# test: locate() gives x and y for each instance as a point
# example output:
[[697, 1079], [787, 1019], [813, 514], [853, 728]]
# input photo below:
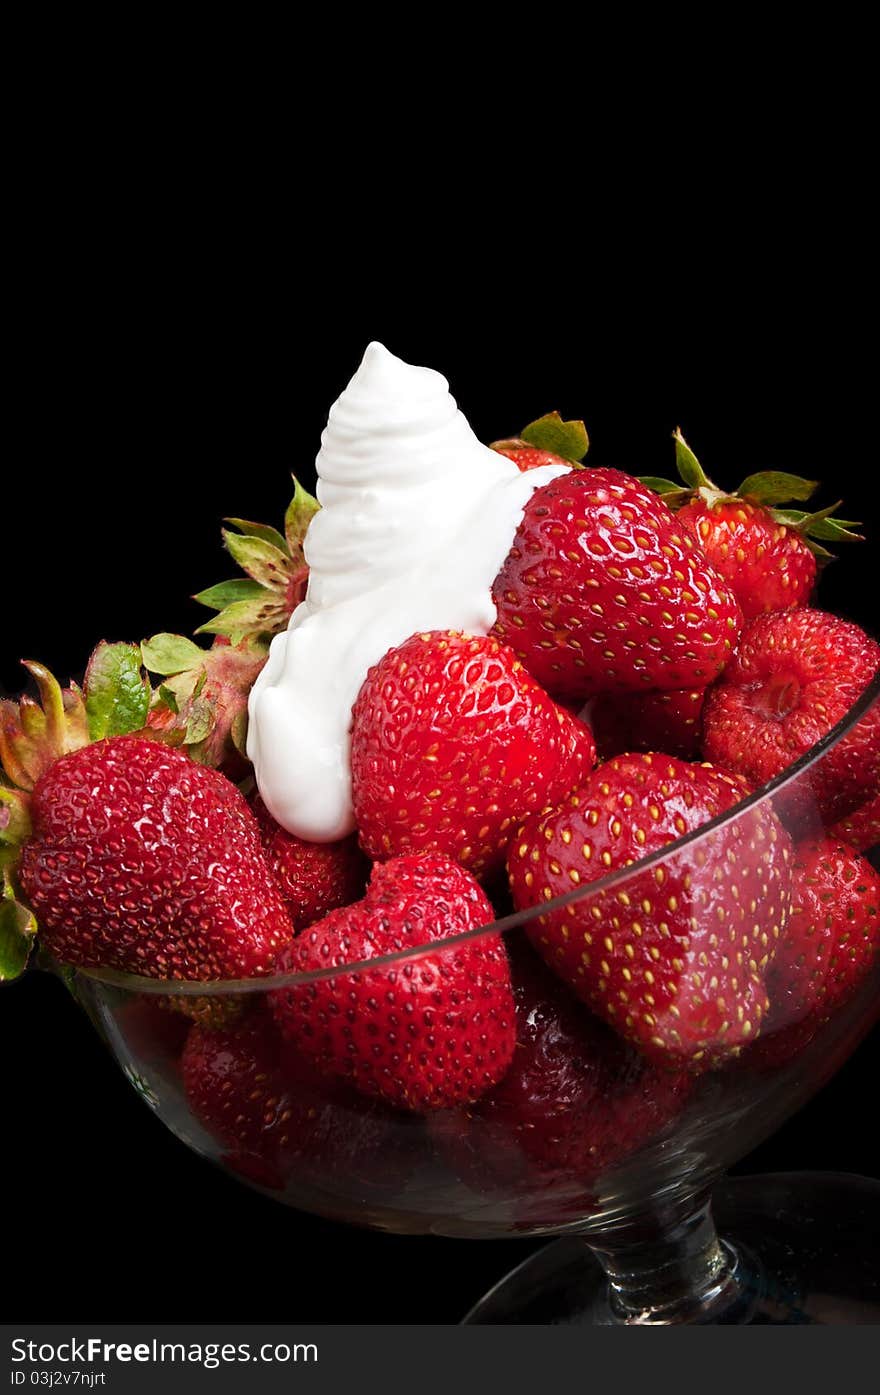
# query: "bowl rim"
[[198, 988]]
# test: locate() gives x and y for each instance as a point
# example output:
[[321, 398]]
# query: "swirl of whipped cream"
[[417, 517]]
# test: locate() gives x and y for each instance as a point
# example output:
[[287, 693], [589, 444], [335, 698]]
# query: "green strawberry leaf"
[[260, 530], [168, 654], [200, 721], [168, 698], [261, 560], [688, 465], [9, 860], [301, 510], [659, 485], [776, 487], [238, 731], [819, 551], [241, 588], [835, 530], [566, 438], [116, 690], [821, 524], [17, 930]]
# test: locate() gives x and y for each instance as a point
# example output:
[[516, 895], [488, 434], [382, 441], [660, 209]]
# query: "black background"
[[156, 390]]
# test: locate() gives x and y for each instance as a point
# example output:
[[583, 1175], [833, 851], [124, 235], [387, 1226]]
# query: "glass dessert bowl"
[[584, 1136], [669, 962]]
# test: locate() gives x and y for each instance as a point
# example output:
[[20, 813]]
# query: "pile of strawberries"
[[669, 625]]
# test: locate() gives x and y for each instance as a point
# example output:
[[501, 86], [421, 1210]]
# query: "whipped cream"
[[417, 517]]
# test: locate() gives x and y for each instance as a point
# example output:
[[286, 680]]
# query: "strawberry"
[[452, 742], [576, 1100], [796, 674], [202, 696], [278, 1121], [829, 946], [313, 878], [602, 590], [142, 860], [547, 441], [526, 457], [432, 1031], [766, 554], [670, 722], [234, 1087], [674, 959], [861, 829], [768, 565], [151, 1033]]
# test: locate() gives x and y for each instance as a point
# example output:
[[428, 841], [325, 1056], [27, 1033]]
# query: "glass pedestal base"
[[803, 1249]]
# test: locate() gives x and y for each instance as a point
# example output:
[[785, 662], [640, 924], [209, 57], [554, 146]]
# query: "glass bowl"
[[584, 1137]]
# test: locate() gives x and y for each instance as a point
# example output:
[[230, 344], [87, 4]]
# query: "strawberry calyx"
[[34, 733], [767, 489], [15, 817], [201, 702], [820, 525], [567, 439], [18, 925], [259, 604]]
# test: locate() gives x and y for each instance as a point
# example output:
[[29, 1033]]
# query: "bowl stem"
[[676, 1272]]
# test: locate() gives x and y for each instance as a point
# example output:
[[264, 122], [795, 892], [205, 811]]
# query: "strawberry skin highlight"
[[426, 1033], [674, 960], [144, 861], [452, 743], [604, 590]]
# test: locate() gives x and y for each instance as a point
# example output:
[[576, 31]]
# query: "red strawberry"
[[603, 591], [452, 742], [313, 878], [576, 1100], [235, 1089], [766, 554], [152, 1034], [547, 441], [279, 1121], [142, 860], [674, 957], [768, 565], [861, 829], [526, 457], [668, 722], [828, 948], [795, 675], [432, 1031]]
